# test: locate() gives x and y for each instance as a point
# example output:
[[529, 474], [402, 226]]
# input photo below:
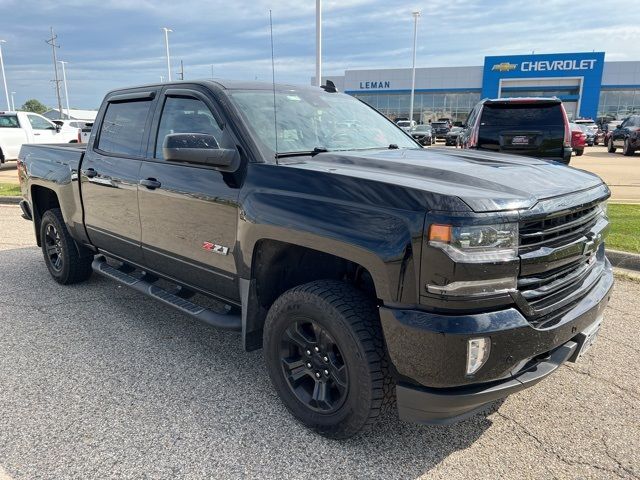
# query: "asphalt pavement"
[[99, 382]]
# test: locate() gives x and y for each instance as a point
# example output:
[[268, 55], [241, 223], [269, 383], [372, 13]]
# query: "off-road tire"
[[352, 319], [74, 267]]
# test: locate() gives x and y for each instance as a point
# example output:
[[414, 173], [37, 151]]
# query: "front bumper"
[[429, 351]]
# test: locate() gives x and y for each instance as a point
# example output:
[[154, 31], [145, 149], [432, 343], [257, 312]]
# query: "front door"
[[189, 220], [110, 174], [43, 130]]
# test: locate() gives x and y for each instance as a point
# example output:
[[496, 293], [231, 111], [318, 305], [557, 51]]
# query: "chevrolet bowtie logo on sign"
[[504, 67]]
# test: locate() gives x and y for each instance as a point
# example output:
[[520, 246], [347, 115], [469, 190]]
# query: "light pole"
[[166, 44], [66, 92], [4, 77], [13, 102], [318, 43], [416, 14]]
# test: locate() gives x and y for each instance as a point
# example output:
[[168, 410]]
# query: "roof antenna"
[[273, 81]]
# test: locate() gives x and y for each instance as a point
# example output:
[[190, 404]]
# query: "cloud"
[[114, 43]]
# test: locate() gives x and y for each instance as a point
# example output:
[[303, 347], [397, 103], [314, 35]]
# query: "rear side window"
[[9, 121], [521, 115], [122, 128]]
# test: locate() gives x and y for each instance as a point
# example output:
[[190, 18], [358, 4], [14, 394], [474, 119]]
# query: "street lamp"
[[66, 92], [166, 44], [415, 14], [318, 43], [4, 77], [13, 102]]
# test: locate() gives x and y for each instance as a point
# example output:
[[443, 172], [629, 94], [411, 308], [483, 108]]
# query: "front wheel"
[[325, 356], [610, 147], [65, 263], [579, 152], [626, 149]]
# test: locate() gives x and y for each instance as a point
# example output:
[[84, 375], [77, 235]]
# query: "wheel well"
[[279, 266], [42, 199]]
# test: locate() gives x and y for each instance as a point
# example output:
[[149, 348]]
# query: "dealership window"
[[619, 104]]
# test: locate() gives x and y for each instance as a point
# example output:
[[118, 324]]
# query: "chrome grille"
[[556, 230]]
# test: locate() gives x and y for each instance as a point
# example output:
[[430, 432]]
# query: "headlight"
[[476, 243]]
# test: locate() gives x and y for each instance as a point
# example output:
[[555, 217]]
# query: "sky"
[[119, 43]]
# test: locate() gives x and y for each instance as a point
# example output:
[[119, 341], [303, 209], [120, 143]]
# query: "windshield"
[[309, 119], [423, 128]]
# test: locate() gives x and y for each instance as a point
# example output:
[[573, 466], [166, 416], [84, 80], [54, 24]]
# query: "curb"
[[628, 261], [10, 200]]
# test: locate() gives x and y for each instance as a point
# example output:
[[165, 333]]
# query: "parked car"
[[440, 129], [590, 128], [424, 135], [451, 138], [626, 136], [18, 128], [578, 138], [368, 268], [406, 125], [537, 127], [71, 129]]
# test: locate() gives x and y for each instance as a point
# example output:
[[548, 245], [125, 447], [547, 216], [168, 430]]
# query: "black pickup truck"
[[368, 269]]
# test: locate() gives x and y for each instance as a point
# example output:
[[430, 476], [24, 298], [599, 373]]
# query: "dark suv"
[[536, 127], [626, 135]]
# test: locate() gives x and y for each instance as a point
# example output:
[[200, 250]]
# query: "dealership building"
[[589, 86]]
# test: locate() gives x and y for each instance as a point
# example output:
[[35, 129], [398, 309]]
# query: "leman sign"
[[374, 85], [556, 65]]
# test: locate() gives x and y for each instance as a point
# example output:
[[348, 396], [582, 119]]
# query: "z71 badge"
[[215, 248]]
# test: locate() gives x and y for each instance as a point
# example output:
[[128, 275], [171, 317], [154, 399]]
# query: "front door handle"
[[91, 173], [36, 134], [150, 183]]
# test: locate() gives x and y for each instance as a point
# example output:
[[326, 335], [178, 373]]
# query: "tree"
[[34, 106]]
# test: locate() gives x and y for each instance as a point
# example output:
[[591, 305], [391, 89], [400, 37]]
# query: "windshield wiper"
[[311, 153]]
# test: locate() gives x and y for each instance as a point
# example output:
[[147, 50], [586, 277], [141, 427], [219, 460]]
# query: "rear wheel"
[[626, 149], [61, 255], [325, 355], [610, 147], [579, 152]]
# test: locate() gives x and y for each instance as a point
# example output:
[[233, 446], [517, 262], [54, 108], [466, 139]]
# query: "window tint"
[[122, 129], [9, 121], [39, 123], [521, 115], [186, 115]]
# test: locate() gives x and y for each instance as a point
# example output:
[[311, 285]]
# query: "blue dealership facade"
[[589, 86]]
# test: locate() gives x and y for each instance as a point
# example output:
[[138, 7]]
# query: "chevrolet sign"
[[555, 65], [504, 67]]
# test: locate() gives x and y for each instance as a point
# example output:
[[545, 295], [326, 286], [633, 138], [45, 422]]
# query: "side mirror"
[[58, 128], [199, 149], [619, 125]]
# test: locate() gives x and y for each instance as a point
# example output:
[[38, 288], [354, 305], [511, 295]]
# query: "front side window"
[[39, 123], [186, 115], [9, 121], [308, 119], [122, 128]]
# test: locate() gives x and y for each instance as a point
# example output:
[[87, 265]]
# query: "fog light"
[[477, 354]]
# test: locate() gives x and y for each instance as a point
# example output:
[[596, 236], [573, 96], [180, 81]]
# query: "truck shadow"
[[103, 382]]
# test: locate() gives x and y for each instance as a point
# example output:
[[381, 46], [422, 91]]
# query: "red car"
[[578, 139]]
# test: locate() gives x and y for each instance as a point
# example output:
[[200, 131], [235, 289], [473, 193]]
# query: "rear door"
[[110, 174], [44, 131], [527, 128], [189, 220]]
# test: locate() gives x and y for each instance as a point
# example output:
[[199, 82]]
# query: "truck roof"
[[222, 84]]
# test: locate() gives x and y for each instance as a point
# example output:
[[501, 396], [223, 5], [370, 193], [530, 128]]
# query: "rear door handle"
[[91, 173], [150, 183], [36, 134]]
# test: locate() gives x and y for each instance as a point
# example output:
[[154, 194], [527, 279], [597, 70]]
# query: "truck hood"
[[485, 181]]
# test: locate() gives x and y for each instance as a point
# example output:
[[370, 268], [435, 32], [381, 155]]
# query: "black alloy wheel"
[[53, 247], [314, 366]]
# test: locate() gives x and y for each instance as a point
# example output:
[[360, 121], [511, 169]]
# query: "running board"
[[218, 320]]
